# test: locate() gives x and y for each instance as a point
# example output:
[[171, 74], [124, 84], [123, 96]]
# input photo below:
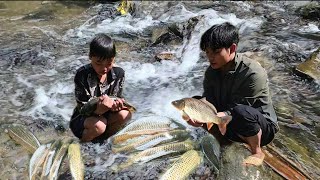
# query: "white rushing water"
[[149, 86]]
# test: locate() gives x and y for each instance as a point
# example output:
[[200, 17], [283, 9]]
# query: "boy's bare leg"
[[257, 156], [93, 127], [116, 120]]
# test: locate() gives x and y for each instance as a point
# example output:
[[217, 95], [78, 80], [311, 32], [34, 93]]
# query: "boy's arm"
[[82, 96], [253, 92], [120, 87]]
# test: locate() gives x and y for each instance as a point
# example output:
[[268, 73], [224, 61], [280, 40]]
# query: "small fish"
[[200, 110], [91, 105], [183, 166], [75, 161], [21, 135], [37, 159], [154, 140], [211, 150], [58, 159], [155, 152]]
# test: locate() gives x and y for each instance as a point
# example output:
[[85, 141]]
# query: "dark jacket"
[[87, 85], [246, 83]]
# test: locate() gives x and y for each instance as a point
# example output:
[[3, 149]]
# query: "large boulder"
[[310, 69], [310, 11]]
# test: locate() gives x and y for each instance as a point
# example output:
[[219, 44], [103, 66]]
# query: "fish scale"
[[58, 159], [143, 125], [23, 137], [183, 166], [75, 161], [200, 111], [37, 160], [128, 135], [48, 161]]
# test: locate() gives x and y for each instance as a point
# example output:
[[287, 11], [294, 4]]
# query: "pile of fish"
[[47, 158], [152, 137]]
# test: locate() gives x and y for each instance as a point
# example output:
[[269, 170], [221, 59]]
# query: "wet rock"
[[310, 11], [43, 14], [106, 11], [162, 35], [164, 56], [284, 110], [184, 30], [2, 5], [310, 69], [175, 31], [232, 168]]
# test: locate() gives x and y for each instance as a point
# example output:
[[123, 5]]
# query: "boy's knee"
[[100, 127], [244, 112], [96, 124], [122, 116]]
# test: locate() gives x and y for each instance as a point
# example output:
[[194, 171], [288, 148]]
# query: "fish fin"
[[204, 100], [185, 116], [209, 126], [223, 125], [226, 119]]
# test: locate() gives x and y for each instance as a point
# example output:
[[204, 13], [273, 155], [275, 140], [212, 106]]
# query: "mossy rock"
[[310, 11], [310, 69]]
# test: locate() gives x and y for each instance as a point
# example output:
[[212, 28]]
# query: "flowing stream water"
[[43, 43]]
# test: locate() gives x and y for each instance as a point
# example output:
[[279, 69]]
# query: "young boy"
[[102, 79], [238, 86]]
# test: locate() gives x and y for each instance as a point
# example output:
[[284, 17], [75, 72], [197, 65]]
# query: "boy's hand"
[[221, 114], [105, 104], [117, 104], [194, 123]]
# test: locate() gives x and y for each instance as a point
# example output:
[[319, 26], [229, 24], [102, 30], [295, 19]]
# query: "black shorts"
[[77, 124], [247, 121]]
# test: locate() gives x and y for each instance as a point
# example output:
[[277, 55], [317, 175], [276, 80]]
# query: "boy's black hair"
[[102, 47], [219, 36]]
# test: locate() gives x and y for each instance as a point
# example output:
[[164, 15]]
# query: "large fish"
[[58, 159], [183, 166], [211, 150], [129, 135], [23, 136], [92, 105], [37, 160], [202, 111], [154, 140], [48, 161], [75, 161], [155, 152], [150, 122]]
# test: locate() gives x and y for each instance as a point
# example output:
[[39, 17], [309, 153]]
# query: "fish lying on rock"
[[183, 166], [154, 140], [24, 137], [159, 151], [145, 126], [46, 158]]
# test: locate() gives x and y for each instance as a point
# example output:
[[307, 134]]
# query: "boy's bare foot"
[[255, 159]]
